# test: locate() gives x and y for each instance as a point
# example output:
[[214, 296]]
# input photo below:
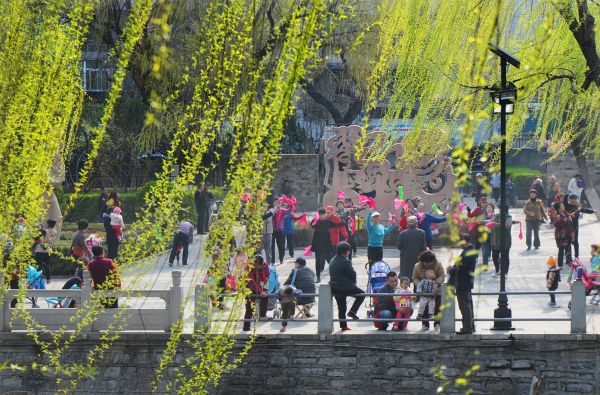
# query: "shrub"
[[86, 205], [523, 178]]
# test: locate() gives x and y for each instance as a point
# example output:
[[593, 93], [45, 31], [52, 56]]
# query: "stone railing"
[[130, 319], [326, 320]]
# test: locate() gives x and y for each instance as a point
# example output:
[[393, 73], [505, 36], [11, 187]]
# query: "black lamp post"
[[504, 98]]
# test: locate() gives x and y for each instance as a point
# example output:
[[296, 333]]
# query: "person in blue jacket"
[[288, 230], [425, 222], [376, 232]]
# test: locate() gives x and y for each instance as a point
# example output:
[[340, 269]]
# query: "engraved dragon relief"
[[433, 180]]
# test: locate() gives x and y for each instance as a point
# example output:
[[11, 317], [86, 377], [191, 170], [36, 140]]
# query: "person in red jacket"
[[257, 282], [339, 232]]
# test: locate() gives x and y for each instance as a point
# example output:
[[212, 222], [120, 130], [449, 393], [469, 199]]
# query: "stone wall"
[[381, 363], [302, 170], [565, 167]]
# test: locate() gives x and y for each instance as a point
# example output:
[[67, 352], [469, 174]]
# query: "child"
[[426, 287], [403, 305], [287, 297], [595, 260], [116, 222], [552, 279]]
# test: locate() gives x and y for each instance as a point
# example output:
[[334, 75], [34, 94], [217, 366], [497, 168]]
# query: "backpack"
[[580, 183]]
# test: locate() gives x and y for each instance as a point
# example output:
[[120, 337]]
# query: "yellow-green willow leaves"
[[429, 59]]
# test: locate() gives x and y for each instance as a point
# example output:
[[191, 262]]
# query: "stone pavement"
[[527, 273]]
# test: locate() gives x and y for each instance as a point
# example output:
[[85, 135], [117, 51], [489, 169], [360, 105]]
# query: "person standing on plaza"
[[281, 210], [79, 248], [462, 277], [338, 232], [258, 278], [495, 236], [113, 200], [573, 207], [104, 275], [425, 221], [539, 188], [428, 261], [376, 232], [102, 204], [576, 186], [385, 308], [112, 241], [411, 243], [203, 199], [288, 231], [495, 184], [351, 211], [511, 198], [321, 242], [184, 237], [343, 284], [267, 234], [534, 215], [564, 233]]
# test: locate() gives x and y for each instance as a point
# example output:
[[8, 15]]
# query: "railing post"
[[448, 310], [201, 308], [86, 294], [325, 324], [578, 313], [175, 299]]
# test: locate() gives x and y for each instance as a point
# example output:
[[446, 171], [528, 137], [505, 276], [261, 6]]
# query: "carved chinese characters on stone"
[[432, 180]]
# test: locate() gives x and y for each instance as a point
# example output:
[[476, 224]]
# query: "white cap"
[[375, 214]]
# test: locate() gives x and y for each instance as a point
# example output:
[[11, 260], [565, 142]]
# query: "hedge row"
[[86, 205]]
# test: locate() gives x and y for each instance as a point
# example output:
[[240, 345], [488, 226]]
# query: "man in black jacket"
[[203, 199], [343, 283], [572, 207], [303, 278], [461, 276]]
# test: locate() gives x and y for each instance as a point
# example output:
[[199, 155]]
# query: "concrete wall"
[[303, 172], [338, 364]]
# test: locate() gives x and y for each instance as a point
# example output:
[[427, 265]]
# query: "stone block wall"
[[565, 167], [302, 170], [378, 363]]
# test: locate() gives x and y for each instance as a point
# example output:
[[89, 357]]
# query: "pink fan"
[[369, 201], [341, 195], [308, 251], [303, 221]]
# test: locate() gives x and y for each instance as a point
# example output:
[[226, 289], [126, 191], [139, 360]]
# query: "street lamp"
[[504, 97]]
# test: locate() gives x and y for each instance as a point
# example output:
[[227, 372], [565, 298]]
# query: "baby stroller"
[[377, 275], [66, 302], [591, 282], [274, 286], [35, 280]]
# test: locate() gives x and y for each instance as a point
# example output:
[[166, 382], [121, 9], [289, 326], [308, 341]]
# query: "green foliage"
[[522, 171], [522, 177]]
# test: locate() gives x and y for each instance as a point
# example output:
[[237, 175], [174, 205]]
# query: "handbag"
[[231, 284]]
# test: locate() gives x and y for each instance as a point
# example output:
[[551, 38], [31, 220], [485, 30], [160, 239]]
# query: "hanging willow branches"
[[434, 66]]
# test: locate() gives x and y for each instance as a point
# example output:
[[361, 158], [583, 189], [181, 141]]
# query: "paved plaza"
[[527, 273]]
